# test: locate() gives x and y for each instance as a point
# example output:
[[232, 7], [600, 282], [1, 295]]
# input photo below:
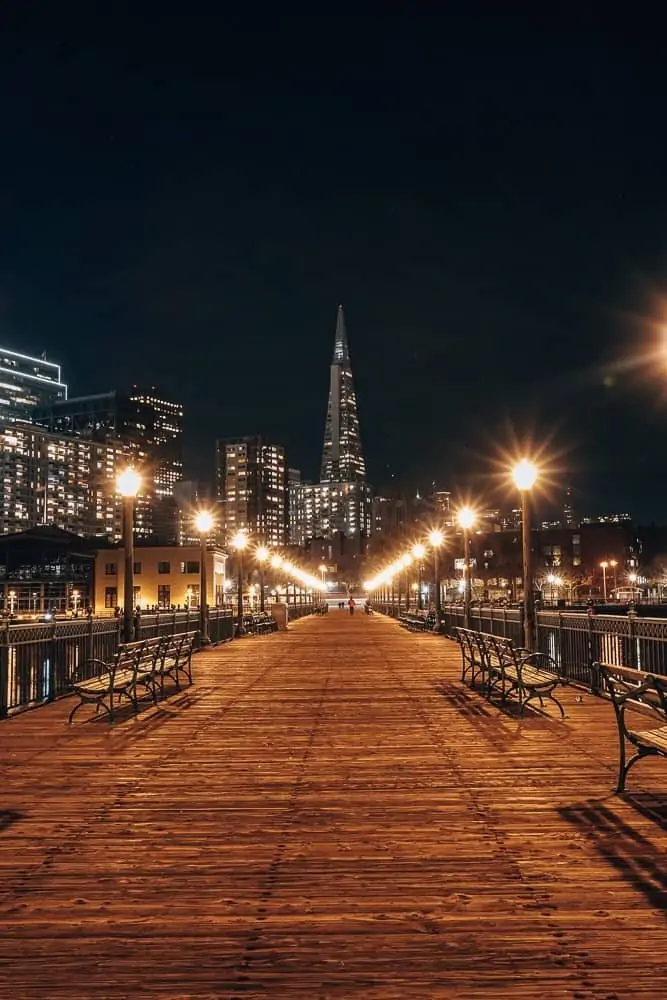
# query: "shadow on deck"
[[329, 813]]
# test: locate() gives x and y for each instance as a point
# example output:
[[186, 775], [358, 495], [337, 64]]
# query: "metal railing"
[[576, 640]]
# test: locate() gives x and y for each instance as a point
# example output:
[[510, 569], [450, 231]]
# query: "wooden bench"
[[259, 623], [507, 669], [146, 664], [645, 695], [417, 621], [99, 683], [175, 657]]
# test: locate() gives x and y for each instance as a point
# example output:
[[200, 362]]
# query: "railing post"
[[89, 637], [52, 646], [632, 651], [595, 674], [4, 670]]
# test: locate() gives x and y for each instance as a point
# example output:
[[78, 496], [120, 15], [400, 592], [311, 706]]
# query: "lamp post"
[[204, 524], [524, 475], [128, 485], [75, 602], [466, 518], [240, 541], [323, 571], [603, 567], [419, 551], [436, 538], [614, 564], [12, 599], [262, 554]]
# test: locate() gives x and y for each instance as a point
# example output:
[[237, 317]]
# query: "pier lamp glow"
[[436, 539], [525, 476], [240, 542], [204, 525], [276, 562], [419, 551], [466, 517], [603, 567], [128, 484], [261, 555]]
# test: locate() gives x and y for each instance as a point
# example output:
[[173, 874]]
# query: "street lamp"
[[323, 571], [603, 566], [436, 538], [261, 554], [75, 602], [128, 484], [419, 551], [239, 542], [614, 564], [204, 525], [466, 518], [12, 599], [524, 475]]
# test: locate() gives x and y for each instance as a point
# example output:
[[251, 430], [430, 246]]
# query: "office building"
[[165, 438], [321, 510], [251, 488], [27, 382], [342, 455]]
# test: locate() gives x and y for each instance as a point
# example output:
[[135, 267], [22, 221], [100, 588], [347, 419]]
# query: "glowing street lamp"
[[323, 571], [436, 538], [261, 555], [466, 518], [239, 542], [613, 563], [12, 600], [128, 484], [603, 567], [419, 551], [525, 476], [204, 525]]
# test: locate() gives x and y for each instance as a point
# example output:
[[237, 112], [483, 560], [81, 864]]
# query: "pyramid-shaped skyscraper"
[[342, 455]]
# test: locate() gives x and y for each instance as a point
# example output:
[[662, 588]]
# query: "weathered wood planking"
[[329, 813]]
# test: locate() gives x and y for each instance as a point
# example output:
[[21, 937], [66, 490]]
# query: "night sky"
[[184, 202]]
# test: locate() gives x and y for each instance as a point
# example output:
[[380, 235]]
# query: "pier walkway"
[[329, 813]]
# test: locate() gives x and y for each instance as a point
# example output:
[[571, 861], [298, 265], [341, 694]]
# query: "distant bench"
[[417, 621], [145, 664], [646, 695], [508, 670], [259, 623]]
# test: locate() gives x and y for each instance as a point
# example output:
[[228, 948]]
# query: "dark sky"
[[185, 200]]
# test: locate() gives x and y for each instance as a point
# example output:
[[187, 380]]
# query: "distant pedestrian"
[[351, 605]]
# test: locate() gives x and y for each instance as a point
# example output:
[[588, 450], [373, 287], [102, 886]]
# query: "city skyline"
[[169, 235]]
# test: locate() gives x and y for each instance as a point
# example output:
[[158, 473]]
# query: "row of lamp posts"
[[525, 476], [128, 484]]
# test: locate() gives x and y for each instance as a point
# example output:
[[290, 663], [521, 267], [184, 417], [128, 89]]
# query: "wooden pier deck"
[[329, 813]]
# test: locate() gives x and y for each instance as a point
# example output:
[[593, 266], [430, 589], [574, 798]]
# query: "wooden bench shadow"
[[8, 817], [641, 863], [487, 716]]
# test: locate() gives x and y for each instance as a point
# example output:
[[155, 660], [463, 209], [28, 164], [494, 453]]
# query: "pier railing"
[[576, 640]]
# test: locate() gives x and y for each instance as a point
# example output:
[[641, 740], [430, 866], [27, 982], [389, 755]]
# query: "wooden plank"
[[328, 812]]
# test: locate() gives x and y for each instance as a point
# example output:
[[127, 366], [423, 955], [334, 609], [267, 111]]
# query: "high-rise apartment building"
[[114, 419], [59, 480], [27, 382], [165, 439], [251, 488]]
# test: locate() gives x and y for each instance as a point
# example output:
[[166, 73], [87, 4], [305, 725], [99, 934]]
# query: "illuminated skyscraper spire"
[[342, 456]]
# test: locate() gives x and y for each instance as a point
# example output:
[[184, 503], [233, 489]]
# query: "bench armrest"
[[90, 669]]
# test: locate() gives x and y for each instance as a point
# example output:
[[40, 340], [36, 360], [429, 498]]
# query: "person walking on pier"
[[351, 605]]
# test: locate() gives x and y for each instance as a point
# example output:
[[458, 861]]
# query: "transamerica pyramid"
[[342, 455]]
